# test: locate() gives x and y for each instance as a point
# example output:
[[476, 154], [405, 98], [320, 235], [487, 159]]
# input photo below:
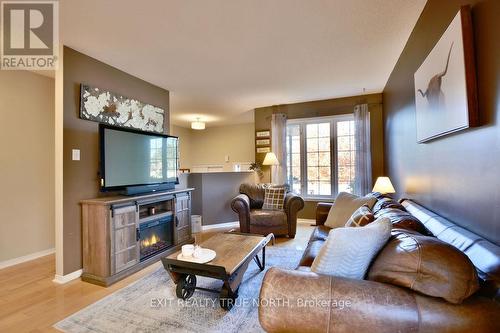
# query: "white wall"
[[26, 164]]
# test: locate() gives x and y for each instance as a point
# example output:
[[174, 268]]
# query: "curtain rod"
[[277, 107]]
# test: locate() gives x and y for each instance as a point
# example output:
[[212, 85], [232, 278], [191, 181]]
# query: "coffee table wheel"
[[227, 298], [186, 286]]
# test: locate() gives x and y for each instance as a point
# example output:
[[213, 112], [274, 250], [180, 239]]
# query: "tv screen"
[[134, 158]]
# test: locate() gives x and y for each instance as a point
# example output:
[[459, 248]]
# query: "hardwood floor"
[[31, 302]]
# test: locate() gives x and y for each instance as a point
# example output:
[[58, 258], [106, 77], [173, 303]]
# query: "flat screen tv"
[[135, 162]]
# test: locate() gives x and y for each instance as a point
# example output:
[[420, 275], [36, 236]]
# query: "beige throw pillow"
[[344, 206], [348, 252]]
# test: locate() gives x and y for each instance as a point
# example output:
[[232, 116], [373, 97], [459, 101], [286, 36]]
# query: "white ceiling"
[[220, 59]]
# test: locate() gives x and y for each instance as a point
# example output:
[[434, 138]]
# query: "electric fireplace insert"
[[155, 236]]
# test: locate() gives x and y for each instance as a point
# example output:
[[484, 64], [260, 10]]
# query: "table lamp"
[[383, 185], [270, 159]]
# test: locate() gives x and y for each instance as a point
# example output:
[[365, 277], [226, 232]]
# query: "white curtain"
[[363, 179], [278, 147]]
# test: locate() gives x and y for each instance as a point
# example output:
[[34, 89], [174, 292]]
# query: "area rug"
[[150, 304]]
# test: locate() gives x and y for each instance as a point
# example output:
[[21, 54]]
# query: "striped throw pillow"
[[274, 198], [361, 217], [348, 252]]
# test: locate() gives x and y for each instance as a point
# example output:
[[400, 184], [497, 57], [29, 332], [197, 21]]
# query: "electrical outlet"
[[75, 154], [226, 158]]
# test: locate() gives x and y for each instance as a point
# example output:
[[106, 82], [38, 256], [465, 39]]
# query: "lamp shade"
[[383, 185], [270, 159]]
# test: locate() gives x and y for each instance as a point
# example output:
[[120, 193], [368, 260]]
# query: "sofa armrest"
[[293, 204], [322, 210], [302, 301], [241, 205]]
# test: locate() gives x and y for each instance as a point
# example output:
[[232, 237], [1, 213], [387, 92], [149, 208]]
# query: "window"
[[321, 155]]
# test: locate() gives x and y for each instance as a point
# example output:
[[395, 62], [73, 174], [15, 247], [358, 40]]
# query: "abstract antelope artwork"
[[445, 83]]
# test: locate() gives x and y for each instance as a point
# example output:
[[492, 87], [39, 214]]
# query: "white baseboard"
[[61, 279], [220, 225], [20, 260]]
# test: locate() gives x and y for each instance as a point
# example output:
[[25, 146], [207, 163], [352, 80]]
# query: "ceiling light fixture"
[[198, 125]]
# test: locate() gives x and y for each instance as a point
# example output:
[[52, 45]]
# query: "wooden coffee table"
[[234, 251]]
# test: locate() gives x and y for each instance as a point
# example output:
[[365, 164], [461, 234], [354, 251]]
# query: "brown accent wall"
[[457, 175], [322, 108], [81, 180]]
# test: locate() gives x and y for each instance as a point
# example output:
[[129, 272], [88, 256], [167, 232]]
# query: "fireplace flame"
[[150, 241]]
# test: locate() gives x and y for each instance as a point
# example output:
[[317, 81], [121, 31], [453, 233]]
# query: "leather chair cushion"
[[267, 218], [320, 233], [311, 252], [255, 193], [426, 265], [402, 219]]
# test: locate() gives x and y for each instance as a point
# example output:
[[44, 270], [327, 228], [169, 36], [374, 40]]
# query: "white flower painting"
[[113, 109]]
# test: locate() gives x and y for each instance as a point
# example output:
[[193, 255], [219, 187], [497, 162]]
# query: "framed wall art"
[[263, 134], [103, 106], [263, 142], [263, 150], [445, 83]]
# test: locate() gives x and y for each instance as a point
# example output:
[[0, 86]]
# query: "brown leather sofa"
[[303, 301], [253, 219]]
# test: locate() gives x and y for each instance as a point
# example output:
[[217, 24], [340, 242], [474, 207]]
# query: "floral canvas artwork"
[[114, 109]]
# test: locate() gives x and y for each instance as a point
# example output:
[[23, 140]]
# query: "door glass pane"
[[324, 144], [312, 159], [324, 130], [324, 159], [313, 188], [293, 148], [318, 161], [312, 130], [312, 144], [324, 174], [346, 155], [312, 173], [325, 188]]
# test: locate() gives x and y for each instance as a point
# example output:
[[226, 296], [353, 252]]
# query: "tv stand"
[[124, 234]]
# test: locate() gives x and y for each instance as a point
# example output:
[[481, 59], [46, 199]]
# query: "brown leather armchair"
[[253, 219]]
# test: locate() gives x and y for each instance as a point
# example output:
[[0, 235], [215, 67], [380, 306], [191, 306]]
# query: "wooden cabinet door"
[[183, 216], [124, 249]]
